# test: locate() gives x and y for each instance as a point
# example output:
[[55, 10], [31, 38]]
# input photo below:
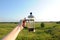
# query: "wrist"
[[20, 27]]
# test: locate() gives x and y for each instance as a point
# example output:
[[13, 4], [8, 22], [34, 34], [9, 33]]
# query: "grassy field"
[[50, 31]]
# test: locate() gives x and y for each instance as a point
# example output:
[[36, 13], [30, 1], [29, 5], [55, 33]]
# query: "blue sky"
[[43, 10]]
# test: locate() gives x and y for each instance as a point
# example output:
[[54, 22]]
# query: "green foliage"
[[51, 31], [42, 25], [58, 22]]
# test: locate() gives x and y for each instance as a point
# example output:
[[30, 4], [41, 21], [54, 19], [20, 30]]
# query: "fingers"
[[20, 23], [24, 23]]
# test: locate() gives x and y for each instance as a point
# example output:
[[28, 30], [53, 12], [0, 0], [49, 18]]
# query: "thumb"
[[20, 22]]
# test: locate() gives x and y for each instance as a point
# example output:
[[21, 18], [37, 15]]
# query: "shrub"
[[42, 25]]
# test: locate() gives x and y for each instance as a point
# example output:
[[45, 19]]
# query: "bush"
[[42, 25], [58, 22]]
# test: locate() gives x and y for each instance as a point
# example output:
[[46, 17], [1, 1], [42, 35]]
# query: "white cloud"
[[49, 12]]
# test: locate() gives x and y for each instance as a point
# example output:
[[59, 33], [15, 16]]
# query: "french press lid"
[[30, 16]]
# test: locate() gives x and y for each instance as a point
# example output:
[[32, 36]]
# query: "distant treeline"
[[35, 22], [8, 22]]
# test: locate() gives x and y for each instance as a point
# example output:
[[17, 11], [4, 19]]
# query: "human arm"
[[14, 33]]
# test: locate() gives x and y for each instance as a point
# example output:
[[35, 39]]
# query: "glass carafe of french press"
[[31, 26]]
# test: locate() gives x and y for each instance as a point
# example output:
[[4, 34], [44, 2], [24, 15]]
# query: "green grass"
[[49, 32]]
